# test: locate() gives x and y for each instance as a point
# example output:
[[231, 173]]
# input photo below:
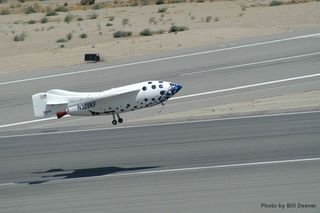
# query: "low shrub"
[[176, 28], [208, 18], [31, 22], [146, 32], [159, 2], [83, 35], [93, 16], [162, 9], [30, 9], [109, 24], [68, 18], [44, 20], [120, 34], [20, 37], [111, 18], [5, 12], [87, 2], [61, 40], [125, 21], [50, 28], [69, 36], [97, 6], [61, 8], [276, 3], [144, 2], [51, 13]]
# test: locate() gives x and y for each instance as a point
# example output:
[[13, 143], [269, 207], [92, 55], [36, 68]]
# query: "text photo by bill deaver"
[[298, 205]]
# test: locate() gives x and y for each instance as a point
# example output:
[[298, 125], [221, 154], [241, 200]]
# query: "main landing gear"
[[114, 122]]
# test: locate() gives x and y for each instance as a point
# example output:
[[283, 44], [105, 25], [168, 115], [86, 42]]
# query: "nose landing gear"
[[120, 120]]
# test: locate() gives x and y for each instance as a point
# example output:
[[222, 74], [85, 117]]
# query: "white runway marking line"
[[188, 169], [248, 86], [27, 122], [159, 124], [262, 163], [253, 63], [161, 59]]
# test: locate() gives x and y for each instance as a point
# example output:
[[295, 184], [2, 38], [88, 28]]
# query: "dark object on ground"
[[87, 2], [92, 57]]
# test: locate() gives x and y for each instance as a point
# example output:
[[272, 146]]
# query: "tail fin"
[[46, 104]]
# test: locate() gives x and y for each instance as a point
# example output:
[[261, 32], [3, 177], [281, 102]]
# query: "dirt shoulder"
[[207, 23]]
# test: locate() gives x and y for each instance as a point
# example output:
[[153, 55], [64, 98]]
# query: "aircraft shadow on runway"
[[57, 174]]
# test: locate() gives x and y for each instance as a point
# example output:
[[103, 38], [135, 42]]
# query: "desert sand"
[[210, 22]]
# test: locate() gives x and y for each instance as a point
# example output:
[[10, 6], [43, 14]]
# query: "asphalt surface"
[[78, 171], [159, 168], [16, 105]]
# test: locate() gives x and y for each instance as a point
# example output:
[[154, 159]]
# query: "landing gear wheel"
[[114, 122], [120, 120]]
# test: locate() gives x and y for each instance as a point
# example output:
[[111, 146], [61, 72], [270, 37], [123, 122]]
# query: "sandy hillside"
[[56, 42]]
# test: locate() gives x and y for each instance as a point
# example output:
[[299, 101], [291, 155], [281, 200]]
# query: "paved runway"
[[232, 165], [16, 103], [69, 171]]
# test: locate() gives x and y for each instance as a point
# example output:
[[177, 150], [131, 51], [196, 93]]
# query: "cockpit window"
[[144, 88], [172, 84], [160, 81], [150, 82], [153, 86]]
